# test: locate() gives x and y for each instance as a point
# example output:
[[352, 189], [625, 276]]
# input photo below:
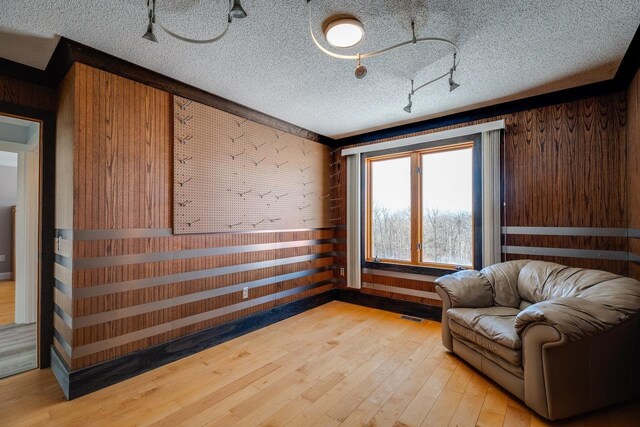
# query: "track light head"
[[360, 72], [237, 11], [408, 107], [149, 34], [453, 85]]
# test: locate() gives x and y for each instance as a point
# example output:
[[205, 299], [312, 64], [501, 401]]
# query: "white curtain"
[[354, 222], [491, 209]]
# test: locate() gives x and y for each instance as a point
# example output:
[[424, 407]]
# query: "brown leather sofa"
[[563, 340]]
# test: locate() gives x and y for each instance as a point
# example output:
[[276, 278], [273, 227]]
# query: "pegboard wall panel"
[[231, 174]]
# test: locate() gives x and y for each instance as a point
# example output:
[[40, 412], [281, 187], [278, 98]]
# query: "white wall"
[[8, 198]]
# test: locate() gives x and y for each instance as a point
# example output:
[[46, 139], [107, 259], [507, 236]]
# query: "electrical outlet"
[[342, 271], [245, 293], [2, 258]]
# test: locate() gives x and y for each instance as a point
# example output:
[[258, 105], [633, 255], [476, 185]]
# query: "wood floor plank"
[[338, 364]]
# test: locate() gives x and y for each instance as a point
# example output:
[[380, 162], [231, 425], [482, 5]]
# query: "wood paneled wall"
[[124, 282], [563, 166], [25, 94], [633, 173]]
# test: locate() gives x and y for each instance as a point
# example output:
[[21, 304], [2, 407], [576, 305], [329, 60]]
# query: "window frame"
[[415, 152]]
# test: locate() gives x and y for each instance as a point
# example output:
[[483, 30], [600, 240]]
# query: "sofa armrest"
[[469, 289], [575, 318]]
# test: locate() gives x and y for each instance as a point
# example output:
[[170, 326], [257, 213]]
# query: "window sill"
[[404, 268]]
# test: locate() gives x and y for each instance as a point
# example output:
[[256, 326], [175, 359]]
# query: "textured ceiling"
[[509, 50]]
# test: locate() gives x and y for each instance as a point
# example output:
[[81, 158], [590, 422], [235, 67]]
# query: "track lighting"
[[361, 70], [452, 85], [152, 12], [236, 10], [351, 32], [408, 107]]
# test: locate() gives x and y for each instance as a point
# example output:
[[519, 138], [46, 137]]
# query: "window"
[[419, 207]]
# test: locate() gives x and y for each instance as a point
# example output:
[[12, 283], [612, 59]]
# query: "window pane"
[[447, 222], [391, 209]]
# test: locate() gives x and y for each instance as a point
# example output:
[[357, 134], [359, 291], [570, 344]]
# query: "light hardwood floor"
[[7, 302], [338, 364]]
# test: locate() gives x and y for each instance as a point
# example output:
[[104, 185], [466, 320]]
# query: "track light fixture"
[[236, 11], [152, 16], [409, 105], [361, 70]]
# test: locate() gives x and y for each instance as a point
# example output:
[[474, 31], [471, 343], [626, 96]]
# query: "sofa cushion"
[[504, 280], [541, 281], [489, 348], [491, 328]]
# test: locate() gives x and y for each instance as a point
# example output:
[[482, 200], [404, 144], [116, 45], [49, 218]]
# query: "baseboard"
[[6, 276], [396, 306], [78, 383]]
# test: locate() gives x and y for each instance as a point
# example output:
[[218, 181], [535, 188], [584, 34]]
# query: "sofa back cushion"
[[504, 281], [541, 281]]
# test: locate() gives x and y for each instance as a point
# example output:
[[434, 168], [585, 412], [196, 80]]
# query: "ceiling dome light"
[[344, 32]]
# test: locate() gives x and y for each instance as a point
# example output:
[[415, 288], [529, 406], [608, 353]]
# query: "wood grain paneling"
[[25, 94], [116, 142], [633, 168], [564, 165]]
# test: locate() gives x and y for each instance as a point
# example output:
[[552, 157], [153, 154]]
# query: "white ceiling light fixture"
[[349, 32], [236, 11], [344, 31]]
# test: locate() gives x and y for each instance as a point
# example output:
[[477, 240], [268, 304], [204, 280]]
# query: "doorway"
[[20, 142]]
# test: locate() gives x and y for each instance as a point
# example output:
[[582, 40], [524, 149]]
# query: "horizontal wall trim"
[[400, 275], [63, 343], [568, 231], [68, 320], [402, 291], [564, 252], [106, 316], [143, 233], [634, 257], [634, 232], [420, 139], [132, 285], [187, 321], [117, 260], [63, 287]]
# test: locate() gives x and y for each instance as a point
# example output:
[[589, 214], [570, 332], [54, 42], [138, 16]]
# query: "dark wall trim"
[[23, 72], [630, 63], [68, 52], [396, 306], [47, 206], [78, 383]]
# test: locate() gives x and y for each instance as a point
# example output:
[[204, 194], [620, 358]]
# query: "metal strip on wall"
[[567, 231], [130, 285], [65, 345], [634, 233], [113, 261], [402, 291], [141, 233], [106, 316], [187, 321], [570, 253]]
